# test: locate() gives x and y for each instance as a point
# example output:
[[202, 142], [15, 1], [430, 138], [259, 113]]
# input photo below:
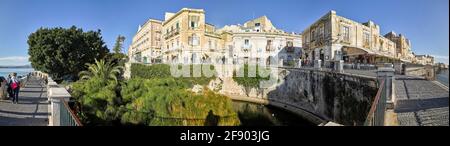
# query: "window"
[[257, 24], [194, 40], [313, 35], [193, 21], [345, 32], [209, 44], [269, 46], [177, 26], [366, 39], [246, 42]]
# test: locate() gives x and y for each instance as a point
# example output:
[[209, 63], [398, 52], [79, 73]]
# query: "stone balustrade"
[[55, 95]]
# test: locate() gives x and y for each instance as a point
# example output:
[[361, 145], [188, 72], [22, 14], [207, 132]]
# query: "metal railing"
[[378, 107], [68, 117]]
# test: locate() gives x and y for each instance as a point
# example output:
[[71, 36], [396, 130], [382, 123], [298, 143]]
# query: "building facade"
[[185, 37], [403, 46], [424, 60], [146, 44], [334, 38], [189, 39], [261, 42]]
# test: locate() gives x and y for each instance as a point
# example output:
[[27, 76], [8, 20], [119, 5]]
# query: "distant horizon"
[[425, 23]]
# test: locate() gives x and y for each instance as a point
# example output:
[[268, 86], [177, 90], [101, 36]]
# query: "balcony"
[[246, 47], [172, 33], [212, 34]]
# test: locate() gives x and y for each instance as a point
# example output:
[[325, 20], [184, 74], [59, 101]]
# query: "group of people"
[[12, 87]]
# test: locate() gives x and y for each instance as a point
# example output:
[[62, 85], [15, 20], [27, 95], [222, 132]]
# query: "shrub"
[[163, 71], [99, 101], [167, 102]]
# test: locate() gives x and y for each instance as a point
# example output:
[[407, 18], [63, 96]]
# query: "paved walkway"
[[32, 109], [421, 102]]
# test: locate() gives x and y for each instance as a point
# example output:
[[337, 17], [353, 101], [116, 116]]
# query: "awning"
[[353, 51]]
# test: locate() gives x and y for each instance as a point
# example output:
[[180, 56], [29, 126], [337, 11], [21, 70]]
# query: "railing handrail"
[[375, 102], [72, 114]]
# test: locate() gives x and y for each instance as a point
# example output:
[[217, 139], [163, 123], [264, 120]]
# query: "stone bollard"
[[339, 66], [57, 95], [387, 74], [317, 64]]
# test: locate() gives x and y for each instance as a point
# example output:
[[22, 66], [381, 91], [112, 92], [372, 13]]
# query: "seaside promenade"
[[32, 109]]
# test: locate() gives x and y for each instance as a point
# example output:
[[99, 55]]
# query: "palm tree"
[[102, 70]]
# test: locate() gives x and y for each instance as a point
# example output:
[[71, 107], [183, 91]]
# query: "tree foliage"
[[119, 44], [99, 101], [63, 52], [167, 102], [159, 100], [99, 93], [247, 81], [101, 70], [163, 71]]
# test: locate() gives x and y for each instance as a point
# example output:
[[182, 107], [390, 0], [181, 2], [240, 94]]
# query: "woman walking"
[[15, 86]]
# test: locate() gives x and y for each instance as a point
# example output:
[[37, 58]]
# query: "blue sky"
[[424, 22]]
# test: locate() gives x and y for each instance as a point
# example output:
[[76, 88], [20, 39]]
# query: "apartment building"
[[187, 38], [333, 38], [403, 46], [261, 42], [424, 60], [146, 44]]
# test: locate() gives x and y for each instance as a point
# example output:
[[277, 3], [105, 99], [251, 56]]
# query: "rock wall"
[[339, 97]]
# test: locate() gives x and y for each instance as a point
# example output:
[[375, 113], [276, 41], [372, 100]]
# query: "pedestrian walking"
[[15, 86], [8, 87]]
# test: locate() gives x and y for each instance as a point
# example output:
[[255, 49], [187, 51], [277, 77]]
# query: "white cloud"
[[14, 60], [440, 56]]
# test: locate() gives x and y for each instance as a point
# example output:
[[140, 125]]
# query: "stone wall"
[[339, 97], [427, 71]]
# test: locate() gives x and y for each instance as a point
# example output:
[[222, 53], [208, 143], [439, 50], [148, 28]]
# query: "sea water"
[[20, 71]]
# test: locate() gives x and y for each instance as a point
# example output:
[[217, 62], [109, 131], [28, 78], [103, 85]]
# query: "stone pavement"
[[32, 109], [421, 102]]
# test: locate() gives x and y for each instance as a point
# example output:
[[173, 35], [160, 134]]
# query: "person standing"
[[8, 86], [15, 86]]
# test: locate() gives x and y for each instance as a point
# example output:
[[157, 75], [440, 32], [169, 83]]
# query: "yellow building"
[[189, 39], [333, 38], [146, 44], [403, 46], [424, 59]]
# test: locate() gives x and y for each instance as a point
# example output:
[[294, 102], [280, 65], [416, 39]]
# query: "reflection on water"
[[251, 114]]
